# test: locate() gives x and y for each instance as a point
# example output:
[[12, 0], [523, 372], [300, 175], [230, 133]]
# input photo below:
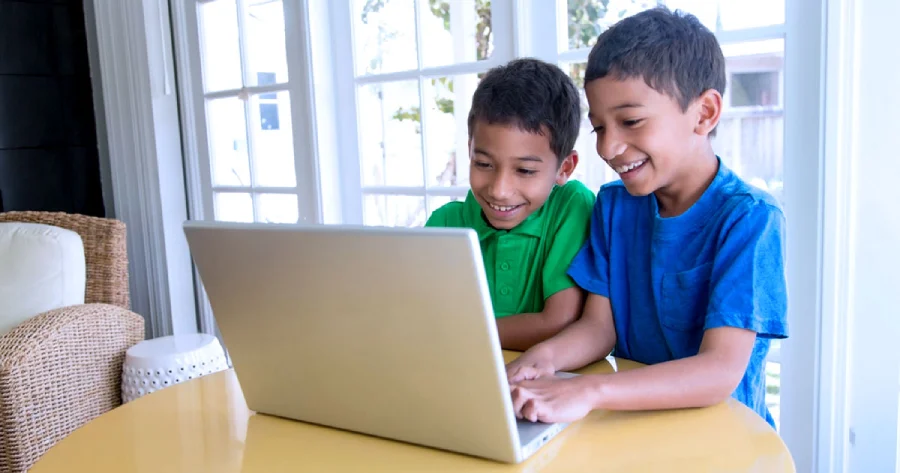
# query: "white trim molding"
[[840, 140], [140, 106], [873, 361], [804, 148]]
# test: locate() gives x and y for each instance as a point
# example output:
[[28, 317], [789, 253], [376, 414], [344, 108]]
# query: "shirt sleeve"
[[590, 267], [438, 218], [570, 234], [748, 288]]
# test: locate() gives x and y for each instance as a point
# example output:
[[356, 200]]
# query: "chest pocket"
[[685, 298]]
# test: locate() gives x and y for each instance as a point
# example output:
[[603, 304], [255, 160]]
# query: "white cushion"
[[41, 268]]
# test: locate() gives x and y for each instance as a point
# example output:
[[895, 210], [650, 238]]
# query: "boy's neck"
[[677, 198]]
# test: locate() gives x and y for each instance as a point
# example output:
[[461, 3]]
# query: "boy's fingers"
[[530, 410], [519, 397], [521, 374]]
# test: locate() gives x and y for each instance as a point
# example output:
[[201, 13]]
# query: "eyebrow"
[[622, 106], [531, 158]]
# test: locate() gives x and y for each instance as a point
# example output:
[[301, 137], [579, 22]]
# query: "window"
[[416, 65], [246, 111]]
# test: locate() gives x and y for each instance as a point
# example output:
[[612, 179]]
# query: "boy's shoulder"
[[451, 214], [738, 199], [573, 191], [572, 200]]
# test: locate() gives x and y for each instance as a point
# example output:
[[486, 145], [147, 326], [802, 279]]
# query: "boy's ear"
[[709, 111], [567, 167]]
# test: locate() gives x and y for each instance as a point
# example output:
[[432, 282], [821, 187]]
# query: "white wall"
[[874, 371]]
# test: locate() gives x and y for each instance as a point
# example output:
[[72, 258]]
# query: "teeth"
[[502, 208], [628, 167]]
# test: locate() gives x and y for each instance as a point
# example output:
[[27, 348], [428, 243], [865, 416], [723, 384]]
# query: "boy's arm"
[[591, 338], [522, 331], [563, 300], [747, 300]]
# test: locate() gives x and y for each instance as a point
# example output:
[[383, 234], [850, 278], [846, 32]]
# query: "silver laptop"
[[383, 331]]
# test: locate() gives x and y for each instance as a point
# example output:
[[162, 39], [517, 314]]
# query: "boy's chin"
[[506, 223], [639, 190]]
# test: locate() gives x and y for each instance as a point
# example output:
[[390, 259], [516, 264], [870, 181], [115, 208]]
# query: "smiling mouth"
[[629, 167], [503, 208]]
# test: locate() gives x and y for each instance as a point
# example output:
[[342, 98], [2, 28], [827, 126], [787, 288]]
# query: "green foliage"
[[371, 6], [584, 21], [587, 19]]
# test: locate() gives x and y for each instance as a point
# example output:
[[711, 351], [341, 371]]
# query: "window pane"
[[740, 14], [448, 100], [456, 31], [750, 136], [385, 33], [389, 134], [219, 45], [227, 130], [589, 18], [754, 89], [394, 210], [266, 60], [233, 207], [277, 208], [273, 143], [724, 15]]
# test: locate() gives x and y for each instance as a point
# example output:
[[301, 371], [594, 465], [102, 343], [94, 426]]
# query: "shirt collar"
[[531, 226]]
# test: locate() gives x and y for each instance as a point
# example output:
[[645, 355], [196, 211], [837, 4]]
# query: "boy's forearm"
[[697, 381], [591, 338], [523, 331], [579, 344]]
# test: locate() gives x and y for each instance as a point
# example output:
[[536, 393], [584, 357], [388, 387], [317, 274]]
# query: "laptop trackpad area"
[[529, 431]]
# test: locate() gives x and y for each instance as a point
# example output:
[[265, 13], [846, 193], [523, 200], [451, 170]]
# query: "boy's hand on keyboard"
[[530, 365], [551, 399]]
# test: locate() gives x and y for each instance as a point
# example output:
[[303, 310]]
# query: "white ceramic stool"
[[155, 364]]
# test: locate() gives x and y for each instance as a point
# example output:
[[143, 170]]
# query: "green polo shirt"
[[527, 264]]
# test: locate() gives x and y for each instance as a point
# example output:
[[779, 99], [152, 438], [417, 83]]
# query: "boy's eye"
[[528, 172], [597, 129], [480, 164], [631, 123]]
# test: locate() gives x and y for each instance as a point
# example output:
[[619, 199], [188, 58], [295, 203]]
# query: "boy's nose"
[[609, 146], [500, 189]]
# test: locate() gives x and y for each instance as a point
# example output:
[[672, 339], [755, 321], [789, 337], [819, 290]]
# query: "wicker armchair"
[[62, 368]]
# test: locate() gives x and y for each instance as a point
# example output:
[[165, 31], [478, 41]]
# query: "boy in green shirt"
[[530, 218]]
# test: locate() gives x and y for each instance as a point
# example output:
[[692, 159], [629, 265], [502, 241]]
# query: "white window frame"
[[193, 99]]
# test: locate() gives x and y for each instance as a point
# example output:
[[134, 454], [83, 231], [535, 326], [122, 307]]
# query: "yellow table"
[[204, 426]]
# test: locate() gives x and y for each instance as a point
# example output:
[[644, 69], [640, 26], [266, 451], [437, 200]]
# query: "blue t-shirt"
[[720, 263]]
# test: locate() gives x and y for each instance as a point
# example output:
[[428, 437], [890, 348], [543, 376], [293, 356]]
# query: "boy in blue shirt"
[[531, 219], [684, 263]]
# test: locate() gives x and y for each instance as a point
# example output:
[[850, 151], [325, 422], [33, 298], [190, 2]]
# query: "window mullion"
[[750, 34], [304, 123], [534, 35], [420, 6], [245, 74], [254, 90]]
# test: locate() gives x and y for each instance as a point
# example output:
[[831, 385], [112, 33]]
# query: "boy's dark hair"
[[530, 94], [672, 51]]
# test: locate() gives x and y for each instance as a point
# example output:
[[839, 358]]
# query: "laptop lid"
[[384, 331]]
